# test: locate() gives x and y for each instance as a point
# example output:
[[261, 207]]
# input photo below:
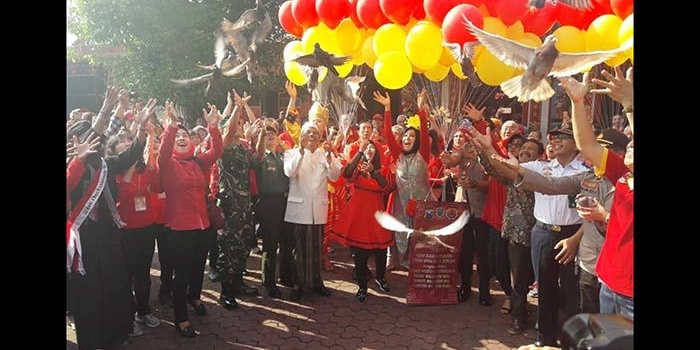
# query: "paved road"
[[339, 322]]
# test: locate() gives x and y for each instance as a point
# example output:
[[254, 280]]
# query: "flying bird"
[[577, 4], [224, 65], [247, 19], [538, 63], [260, 32], [322, 58], [351, 89], [463, 55], [313, 80], [390, 223], [239, 43]]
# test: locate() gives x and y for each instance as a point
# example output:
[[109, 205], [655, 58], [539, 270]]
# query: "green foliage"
[[165, 39]]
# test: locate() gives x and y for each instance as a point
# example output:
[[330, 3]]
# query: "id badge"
[[140, 203]]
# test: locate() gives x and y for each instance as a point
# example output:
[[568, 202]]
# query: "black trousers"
[[589, 288], [286, 264], [361, 257], [499, 265], [557, 285], [213, 247], [138, 245], [188, 250], [520, 277], [270, 213], [166, 268], [475, 240]]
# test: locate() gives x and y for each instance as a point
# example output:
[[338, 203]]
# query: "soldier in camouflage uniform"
[[234, 200]]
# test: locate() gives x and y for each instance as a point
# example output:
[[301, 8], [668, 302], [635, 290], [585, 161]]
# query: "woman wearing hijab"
[[186, 215]]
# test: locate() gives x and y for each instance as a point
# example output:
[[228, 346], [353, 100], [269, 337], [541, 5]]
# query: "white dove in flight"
[[390, 223], [538, 62]]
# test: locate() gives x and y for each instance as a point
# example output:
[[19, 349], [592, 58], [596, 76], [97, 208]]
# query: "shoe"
[[166, 299], [149, 320], [245, 290], [274, 293], [295, 294], [485, 300], [507, 306], [137, 331], [199, 309], [382, 284], [516, 327], [463, 293], [187, 332], [213, 275], [228, 302], [323, 291], [285, 283], [361, 294]]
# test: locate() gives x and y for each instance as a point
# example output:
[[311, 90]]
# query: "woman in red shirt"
[[186, 215], [357, 227]]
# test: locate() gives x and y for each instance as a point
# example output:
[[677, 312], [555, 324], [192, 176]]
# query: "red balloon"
[[476, 3], [419, 11], [510, 11], [569, 16], [602, 6], [331, 12], [353, 14], [622, 8], [304, 12], [287, 20], [453, 28], [370, 14], [491, 6], [435, 10], [540, 21], [399, 12]]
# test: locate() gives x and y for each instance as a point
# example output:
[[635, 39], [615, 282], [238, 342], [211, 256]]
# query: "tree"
[[165, 39]]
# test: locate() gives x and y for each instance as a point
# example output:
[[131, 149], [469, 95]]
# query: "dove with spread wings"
[[321, 58], [225, 64], [538, 62], [390, 223], [463, 55]]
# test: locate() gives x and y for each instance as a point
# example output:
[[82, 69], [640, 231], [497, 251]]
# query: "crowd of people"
[[559, 215]]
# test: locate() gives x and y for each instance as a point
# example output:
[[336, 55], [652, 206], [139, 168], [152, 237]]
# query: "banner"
[[433, 274]]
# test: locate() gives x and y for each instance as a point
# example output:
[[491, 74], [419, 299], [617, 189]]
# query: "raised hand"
[[291, 89], [124, 98], [422, 99], [110, 100], [473, 113], [618, 88], [170, 114], [480, 140], [576, 90], [142, 116], [384, 100], [512, 161], [212, 117], [82, 150]]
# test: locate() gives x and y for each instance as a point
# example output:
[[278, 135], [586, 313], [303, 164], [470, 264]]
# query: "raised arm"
[[292, 92], [583, 133], [423, 113], [619, 89], [111, 99], [217, 145], [167, 140], [391, 143]]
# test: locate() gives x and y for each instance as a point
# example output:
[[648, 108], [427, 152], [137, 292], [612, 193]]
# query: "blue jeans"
[[615, 303]]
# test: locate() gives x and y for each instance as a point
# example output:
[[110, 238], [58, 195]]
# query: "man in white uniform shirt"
[[553, 247], [309, 167]]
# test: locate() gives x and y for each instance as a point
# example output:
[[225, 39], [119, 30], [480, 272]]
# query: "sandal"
[[507, 306]]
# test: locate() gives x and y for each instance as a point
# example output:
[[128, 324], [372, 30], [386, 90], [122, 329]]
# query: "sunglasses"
[[560, 137]]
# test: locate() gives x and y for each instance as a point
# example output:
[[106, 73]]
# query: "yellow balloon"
[[424, 45], [368, 54], [437, 73], [344, 70], [356, 57], [446, 58], [294, 73], [491, 70], [602, 34], [515, 30], [494, 25], [570, 39], [393, 70], [389, 37], [292, 50], [627, 33], [530, 39], [457, 71], [411, 23], [348, 36], [417, 70], [316, 34]]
